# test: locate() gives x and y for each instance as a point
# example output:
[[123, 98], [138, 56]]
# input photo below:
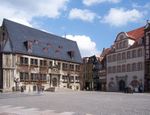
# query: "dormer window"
[[28, 45], [71, 54], [36, 41]]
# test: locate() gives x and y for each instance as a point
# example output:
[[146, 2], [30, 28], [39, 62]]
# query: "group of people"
[[131, 89]]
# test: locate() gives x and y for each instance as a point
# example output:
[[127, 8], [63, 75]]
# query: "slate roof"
[[43, 44]]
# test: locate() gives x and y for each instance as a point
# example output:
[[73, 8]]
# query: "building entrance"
[[54, 82], [121, 85]]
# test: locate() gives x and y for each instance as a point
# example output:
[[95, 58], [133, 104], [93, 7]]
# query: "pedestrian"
[[22, 89], [140, 88]]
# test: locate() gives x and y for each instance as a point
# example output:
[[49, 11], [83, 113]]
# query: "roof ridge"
[[36, 29], [136, 29]]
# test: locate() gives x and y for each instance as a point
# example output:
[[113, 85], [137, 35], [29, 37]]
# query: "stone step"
[[58, 89]]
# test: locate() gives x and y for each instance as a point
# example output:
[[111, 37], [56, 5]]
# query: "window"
[[71, 67], [140, 52], [34, 77], [65, 66], [77, 68], [133, 53], [123, 68], [121, 45], [139, 66], [124, 44], [128, 55], [23, 60], [72, 79], [34, 62], [123, 56], [21, 77], [114, 57], [77, 79], [24, 76], [50, 64], [147, 68], [114, 69], [109, 69], [109, 58], [118, 56], [134, 67], [65, 79], [42, 77], [43, 63], [59, 65], [118, 68], [128, 67]]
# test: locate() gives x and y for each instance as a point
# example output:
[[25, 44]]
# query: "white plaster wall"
[[131, 42], [139, 74]]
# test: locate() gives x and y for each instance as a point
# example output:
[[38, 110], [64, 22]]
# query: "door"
[[54, 82], [121, 85]]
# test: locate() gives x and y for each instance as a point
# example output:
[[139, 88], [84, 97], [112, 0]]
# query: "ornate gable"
[[121, 36]]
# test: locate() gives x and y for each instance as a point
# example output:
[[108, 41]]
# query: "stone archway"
[[121, 85]]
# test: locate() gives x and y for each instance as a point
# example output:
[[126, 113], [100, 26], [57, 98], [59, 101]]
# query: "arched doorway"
[[54, 82], [121, 85]]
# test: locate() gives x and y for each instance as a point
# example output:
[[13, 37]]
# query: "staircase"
[[58, 89]]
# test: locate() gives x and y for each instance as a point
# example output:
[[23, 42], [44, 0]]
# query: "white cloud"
[[23, 11], [145, 6], [86, 45], [93, 2], [84, 15], [121, 17]]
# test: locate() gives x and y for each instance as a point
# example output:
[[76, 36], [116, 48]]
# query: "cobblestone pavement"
[[74, 103]]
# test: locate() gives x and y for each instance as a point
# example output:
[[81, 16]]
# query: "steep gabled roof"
[[105, 52], [136, 34], [41, 44]]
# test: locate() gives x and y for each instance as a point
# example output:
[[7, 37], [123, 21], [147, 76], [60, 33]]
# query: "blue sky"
[[94, 24]]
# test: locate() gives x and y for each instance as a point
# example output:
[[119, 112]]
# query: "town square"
[[74, 103]]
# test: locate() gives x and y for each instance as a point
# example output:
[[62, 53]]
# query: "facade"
[[35, 60], [90, 72], [125, 62], [103, 69], [147, 56]]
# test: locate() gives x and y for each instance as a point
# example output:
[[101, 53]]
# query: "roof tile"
[[136, 34]]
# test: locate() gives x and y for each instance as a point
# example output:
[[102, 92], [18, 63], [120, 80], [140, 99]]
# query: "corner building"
[[125, 62], [33, 59]]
